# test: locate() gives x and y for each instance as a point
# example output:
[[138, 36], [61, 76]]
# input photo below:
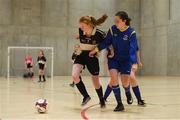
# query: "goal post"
[[25, 48]]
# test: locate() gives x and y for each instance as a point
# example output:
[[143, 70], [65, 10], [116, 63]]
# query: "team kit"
[[123, 59]]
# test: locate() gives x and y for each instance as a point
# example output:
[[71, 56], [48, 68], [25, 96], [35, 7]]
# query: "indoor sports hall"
[[89, 59]]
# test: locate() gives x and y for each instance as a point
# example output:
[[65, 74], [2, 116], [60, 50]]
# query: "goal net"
[[16, 60]]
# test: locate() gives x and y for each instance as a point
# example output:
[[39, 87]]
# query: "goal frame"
[[30, 47]]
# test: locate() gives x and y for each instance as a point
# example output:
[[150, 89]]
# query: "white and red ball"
[[41, 105]]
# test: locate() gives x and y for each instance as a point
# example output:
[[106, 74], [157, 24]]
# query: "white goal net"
[[16, 60]]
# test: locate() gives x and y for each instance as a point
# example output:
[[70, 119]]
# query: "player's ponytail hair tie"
[[90, 20], [124, 16]]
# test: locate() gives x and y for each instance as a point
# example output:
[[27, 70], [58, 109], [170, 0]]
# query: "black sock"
[[44, 78], [29, 74], [100, 93], [39, 77], [32, 74], [82, 89]]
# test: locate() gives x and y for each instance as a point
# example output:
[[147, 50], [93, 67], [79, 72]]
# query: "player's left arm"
[[139, 58], [100, 36], [110, 49], [133, 47], [45, 62], [102, 45]]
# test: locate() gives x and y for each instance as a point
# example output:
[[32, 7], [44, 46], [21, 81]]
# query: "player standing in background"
[[41, 61], [77, 51], [133, 80], [29, 65]]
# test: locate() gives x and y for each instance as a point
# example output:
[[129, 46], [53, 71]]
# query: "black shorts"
[[41, 66], [29, 65], [92, 63]]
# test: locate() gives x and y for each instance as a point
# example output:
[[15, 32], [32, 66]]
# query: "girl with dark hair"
[[135, 61], [41, 61], [90, 36], [133, 80], [122, 37]]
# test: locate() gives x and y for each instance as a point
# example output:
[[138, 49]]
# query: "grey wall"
[[55, 22], [154, 26], [160, 38], [173, 50]]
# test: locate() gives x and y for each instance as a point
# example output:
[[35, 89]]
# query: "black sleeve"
[[74, 56], [100, 36], [44, 58], [80, 33], [38, 59]]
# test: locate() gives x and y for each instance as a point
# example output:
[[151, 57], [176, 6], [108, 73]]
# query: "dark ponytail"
[[99, 21], [91, 20], [124, 16]]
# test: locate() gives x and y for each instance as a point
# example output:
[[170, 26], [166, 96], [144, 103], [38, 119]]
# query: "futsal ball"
[[41, 105]]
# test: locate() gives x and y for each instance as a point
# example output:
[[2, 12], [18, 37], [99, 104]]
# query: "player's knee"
[[133, 82], [97, 85], [125, 82], [114, 81], [75, 78], [95, 77]]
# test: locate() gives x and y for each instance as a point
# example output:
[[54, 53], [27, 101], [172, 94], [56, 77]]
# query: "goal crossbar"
[[29, 47]]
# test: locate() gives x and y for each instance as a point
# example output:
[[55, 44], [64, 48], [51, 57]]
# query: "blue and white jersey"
[[124, 44]]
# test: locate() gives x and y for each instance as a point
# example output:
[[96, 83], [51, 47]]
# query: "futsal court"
[[89, 59], [19, 95]]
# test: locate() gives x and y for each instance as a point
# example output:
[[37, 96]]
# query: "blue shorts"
[[122, 67]]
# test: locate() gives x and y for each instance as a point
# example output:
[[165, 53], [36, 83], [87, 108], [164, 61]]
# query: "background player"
[[41, 61], [133, 80], [29, 65], [77, 51]]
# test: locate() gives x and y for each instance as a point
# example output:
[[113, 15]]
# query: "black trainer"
[[72, 84], [141, 103], [32, 75], [102, 103], [119, 107], [85, 100], [129, 98]]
